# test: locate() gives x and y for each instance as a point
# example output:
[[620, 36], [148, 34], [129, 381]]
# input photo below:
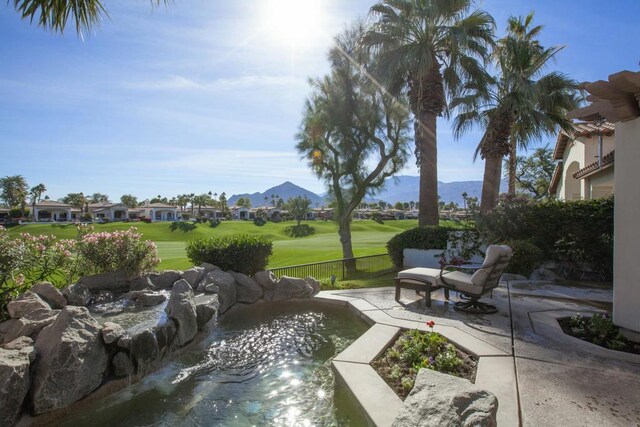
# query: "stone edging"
[[378, 402]]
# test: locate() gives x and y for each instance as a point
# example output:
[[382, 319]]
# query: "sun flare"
[[294, 22]]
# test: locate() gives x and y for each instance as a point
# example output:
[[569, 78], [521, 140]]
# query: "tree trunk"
[[344, 231], [512, 167], [426, 138], [491, 183]]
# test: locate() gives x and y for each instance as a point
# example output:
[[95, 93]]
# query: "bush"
[[259, 221], [417, 238], [214, 223], [526, 257], [242, 253], [577, 234], [123, 251]]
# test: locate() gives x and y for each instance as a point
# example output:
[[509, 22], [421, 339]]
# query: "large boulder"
[[15, 358], [193, 276], [165, 335], [111, 332], [315, 284], [207, 307], [266, 279], [444, 400], [182, 309], [115, 281], [141, 283], [223, 284], [209, 267], [247, 289], [145, 351], [72, 360], [77, 294], [25, 304], [164, 280], [29, 325], [290, 287], [149, 299], [50, 294], [122, 364]]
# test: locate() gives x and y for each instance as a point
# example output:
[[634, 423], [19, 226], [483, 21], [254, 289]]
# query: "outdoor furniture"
[[471, 286]]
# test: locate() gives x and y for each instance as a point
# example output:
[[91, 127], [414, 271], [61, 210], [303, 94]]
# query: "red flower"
[[431, 324]]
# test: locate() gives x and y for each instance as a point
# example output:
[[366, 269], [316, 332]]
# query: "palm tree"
[[516, 106], [429, 48], [35, 194]]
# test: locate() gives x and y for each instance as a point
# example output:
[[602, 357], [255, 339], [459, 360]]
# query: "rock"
[[115, 281], [50, 294], [444, 400], [543, 274], [208, 288], [72, 360], [144, 349], [111, 332], [223, 284], [266, 279], [315, 285], [103, 297], [77, 294], [25, 304], [122, 364], [193, 276], [164, 280], [207, 307], [291, 287], [165, 335], [29, 325], [209, 267], [149, 299], [247, 289], [512, 276], [182, 309], [141, 283], [15, 359]]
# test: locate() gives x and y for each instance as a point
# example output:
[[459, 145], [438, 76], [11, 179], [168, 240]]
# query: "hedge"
[[242, 253]]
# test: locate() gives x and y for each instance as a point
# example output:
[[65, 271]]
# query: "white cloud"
[[181, 83]]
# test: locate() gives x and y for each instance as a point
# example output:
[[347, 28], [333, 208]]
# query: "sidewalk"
[[560, 380]]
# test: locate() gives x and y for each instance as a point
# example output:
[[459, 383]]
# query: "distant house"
[[585, 168], [51, 210], [158, 211], [209, 212], [110, 211], [4, 214]]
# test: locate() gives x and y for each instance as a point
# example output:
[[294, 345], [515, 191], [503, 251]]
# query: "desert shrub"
[[116, 251], [598, 330], [526, 257], [259, 221], [578, 234], [242, 253], [417, 238], [213, 223]]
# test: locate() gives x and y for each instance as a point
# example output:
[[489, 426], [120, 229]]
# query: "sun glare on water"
[[294, 22]]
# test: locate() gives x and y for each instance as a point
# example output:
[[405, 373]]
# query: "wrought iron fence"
[[348, 268]]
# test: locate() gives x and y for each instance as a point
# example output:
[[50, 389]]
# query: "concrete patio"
[[542, 377]]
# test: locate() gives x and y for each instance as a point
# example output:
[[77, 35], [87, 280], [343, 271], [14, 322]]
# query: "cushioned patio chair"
[[471, 286]]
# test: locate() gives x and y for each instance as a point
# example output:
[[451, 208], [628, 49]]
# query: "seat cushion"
[[420, 273], [461, 282], [494, 252]]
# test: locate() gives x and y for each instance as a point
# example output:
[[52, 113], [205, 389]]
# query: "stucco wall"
[[626, 264], [573, 153]]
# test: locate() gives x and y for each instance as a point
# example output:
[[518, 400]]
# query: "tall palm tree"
[[520, 104], [429, 48], [35, 194]]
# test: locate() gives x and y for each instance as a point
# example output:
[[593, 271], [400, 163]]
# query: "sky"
[[207, 95]]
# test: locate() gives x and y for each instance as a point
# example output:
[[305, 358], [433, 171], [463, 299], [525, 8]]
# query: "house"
[[4, 214], [617, 100], [158, 211], [110, 211], [53, 211], [585, 168], [209, 212]]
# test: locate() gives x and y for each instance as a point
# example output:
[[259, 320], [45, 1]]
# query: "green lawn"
[[369, 238]]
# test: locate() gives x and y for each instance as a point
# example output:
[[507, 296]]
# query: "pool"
[[265, 364]]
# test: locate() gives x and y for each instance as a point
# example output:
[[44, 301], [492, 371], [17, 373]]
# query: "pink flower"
[[431, 324]]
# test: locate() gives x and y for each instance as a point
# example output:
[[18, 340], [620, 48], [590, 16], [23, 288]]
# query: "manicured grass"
[[369, 238]]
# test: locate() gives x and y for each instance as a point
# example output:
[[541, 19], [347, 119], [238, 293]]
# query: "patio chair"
[[471, 286]]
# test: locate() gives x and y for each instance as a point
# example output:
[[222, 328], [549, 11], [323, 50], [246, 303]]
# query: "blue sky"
[[202, 96]]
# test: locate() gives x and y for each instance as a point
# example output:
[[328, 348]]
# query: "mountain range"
[[402, 188]]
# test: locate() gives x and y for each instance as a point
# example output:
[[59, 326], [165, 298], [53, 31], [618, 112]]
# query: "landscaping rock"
[[25, 304], [207, 307], [315, 285], [193, 276], [209, 267], [115, 281], [15, 359], [164, 280], [266, 279], [149, 299], [50, 294], [291, 287], [141, 283], [29, 325], [543, 274], [444, 400], [247, 289], [223, 284], [144, 349], [72, 360], [182, 309], [165, 335], [122, 364], [103, 297], [111, 332], [77, 294]]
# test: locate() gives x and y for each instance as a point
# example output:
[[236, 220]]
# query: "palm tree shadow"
[[185, 227]]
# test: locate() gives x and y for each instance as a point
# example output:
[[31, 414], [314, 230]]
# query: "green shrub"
[[526, 257], [214, 222], [242, 253], [577, 234], [259, 221], [417, 238]]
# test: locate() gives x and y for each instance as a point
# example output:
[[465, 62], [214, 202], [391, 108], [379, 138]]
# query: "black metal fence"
[[348, 268]]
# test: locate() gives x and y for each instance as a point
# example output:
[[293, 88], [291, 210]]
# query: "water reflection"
[[264, 365]]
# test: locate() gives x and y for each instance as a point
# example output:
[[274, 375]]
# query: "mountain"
[[285, 190], [404, 188]]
